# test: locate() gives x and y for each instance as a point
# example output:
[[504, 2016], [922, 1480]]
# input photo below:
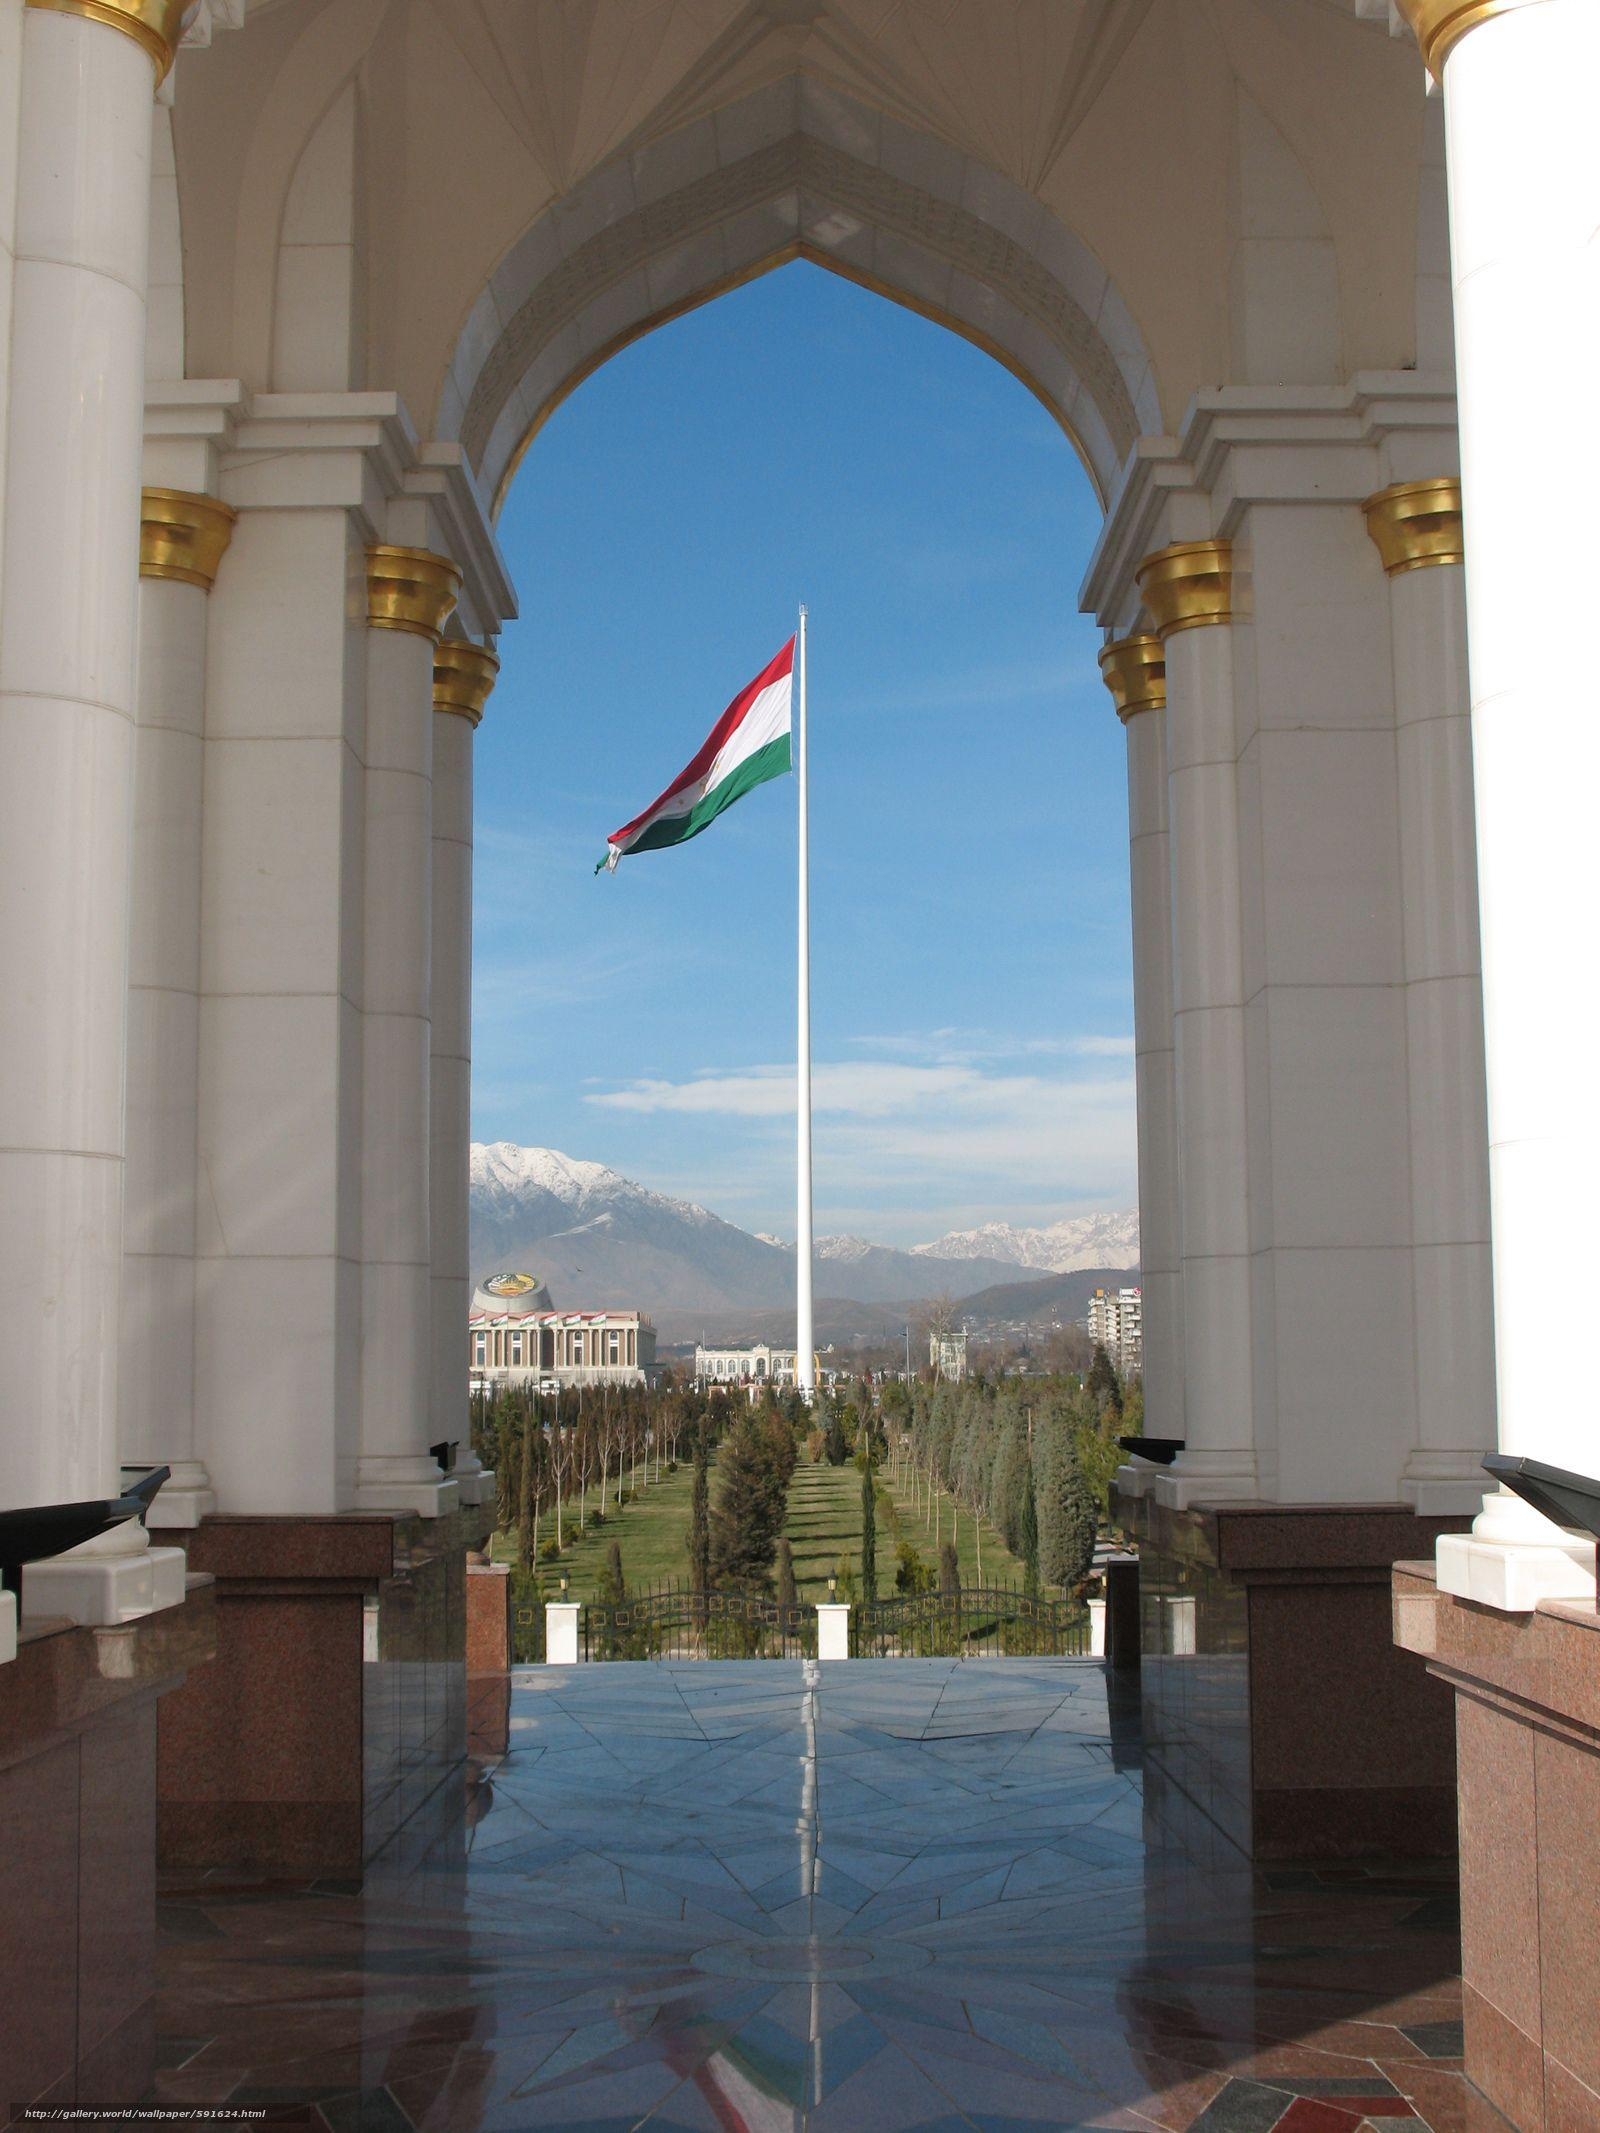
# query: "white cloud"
[[972, 1046], [944, 1131]]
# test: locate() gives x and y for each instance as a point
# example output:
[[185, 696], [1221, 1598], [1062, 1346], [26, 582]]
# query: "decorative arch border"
[[796, 171]]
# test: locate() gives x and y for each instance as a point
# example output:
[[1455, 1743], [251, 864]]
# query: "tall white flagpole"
[[805, 1359]]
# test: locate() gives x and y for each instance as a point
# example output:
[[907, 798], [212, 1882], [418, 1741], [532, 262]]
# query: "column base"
[[1205, 1478], [99, 1589], [1277, 1712], [1444, 1484], [336, 1706], [418, 1499], [1515, 1576], [185, 1499], [1526, 1689], [77, 1871], [475, 1488]]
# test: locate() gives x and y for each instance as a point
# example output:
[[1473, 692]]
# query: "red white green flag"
[[749, 744]]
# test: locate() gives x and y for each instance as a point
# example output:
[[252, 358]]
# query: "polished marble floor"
[[886, 1895]]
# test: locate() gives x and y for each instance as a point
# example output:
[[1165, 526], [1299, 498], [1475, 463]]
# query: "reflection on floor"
[[919, 1894]]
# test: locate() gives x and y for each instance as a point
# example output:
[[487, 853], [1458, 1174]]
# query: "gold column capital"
[[183, 535], [410, 589], [1417, 523], [155, 24], [1440, 25], [1134, 669], [1188, 586], [463, 675]]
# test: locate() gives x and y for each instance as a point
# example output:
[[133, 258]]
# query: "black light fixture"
[[564, 1582], [46, 1529], [833, 1585]]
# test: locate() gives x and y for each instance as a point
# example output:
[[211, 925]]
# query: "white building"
[[947, 1356], [1116, 1322], [517, 1337], [759, 1365]]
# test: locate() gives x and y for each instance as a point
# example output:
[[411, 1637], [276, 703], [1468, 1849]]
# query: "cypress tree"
[[1079, 1520], [836, 1446], [869, 1532], [1102, 1384], [700, 1517], [749, 1509], [613, 1586], [525, 1494], [788, 1594], [949, 1568], [1028, 1535]]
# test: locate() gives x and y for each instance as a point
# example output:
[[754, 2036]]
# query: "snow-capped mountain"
[[595, 1237], [1058, 1248]]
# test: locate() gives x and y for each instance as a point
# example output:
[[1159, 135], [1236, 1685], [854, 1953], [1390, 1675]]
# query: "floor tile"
[[635, 1937]]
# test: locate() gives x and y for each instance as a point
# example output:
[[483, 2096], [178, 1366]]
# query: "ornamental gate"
[[675, 1622], [976, 1622]]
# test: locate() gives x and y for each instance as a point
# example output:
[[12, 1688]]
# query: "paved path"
[[716, 1896]]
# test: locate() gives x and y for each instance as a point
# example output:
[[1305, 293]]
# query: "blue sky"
[[972, 1018]]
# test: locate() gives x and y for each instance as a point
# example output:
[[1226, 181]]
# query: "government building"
[[759, 1365], [288, 290], [516, 1336]]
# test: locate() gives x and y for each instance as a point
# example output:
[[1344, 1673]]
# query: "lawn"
[[653, 1533], [824, 1521]]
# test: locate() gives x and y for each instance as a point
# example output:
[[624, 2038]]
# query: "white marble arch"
[[796, 170]]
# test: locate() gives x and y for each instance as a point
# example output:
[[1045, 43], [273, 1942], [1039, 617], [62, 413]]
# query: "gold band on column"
[[1188, 586], [1417, 523], [1440, 25], [410, 589], [1134, 669], [183, 535], [155, 24], [463, 675]]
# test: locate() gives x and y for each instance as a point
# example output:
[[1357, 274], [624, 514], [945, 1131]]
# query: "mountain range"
[[595, 1237]]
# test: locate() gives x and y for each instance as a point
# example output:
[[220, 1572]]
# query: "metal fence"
[[527, 1634], [673, 1621], [977, 1622]]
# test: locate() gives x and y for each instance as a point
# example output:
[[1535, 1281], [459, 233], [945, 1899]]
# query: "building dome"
[[512, 1295]]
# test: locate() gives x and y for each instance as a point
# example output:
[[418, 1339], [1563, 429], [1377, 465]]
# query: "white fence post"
[[561, 1633], [833, 1630]]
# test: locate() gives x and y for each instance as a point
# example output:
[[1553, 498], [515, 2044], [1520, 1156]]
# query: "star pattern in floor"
[[857, 1899]]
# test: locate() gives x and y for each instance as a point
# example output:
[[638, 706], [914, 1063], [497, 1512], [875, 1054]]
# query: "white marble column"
[[1187, 589], [410, 594], [183, 536], [1416, 526], [1135, 672], [463, 675], [67, 691], [1519, 84]]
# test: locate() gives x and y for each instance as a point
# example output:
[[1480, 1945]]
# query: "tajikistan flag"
[[747, 745]]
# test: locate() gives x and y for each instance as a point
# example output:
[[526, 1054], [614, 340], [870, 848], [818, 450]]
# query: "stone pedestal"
[[1527, 1705], [1277, 1710], [77, 1868], [488, 1618], [337, 1702]]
